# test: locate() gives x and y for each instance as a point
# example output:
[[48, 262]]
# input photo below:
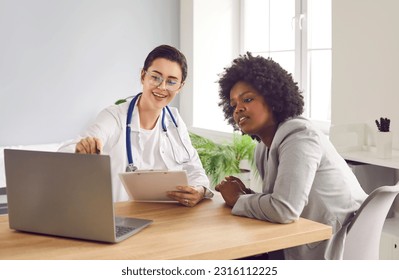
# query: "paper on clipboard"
[[152, 185]]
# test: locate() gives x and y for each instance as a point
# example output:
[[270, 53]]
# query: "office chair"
[[364, 232]]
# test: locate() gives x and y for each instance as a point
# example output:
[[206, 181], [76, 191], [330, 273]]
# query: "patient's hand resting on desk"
[[231, 189], [89, 145], [188, 196]]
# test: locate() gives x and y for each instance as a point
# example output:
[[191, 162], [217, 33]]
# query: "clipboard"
[[152, 185]]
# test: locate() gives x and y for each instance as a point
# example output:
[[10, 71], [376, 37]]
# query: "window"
[[296, 34], [214, 27]]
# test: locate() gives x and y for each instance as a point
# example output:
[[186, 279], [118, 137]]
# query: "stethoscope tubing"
[[129, 153]]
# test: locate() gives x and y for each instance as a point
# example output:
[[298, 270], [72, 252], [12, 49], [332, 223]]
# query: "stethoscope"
[[131, 167]]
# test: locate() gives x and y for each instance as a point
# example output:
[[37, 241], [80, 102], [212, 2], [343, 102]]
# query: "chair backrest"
[[364, 233]]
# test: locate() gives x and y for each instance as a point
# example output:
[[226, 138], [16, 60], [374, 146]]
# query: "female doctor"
[[145, 133]]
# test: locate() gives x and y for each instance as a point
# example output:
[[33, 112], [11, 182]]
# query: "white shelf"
[[369, 156]]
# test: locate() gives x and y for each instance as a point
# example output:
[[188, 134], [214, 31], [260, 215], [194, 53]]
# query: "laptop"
[[153, 185], [64, 194]]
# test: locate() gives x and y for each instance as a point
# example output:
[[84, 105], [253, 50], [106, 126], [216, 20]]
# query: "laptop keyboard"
[[122, 230]]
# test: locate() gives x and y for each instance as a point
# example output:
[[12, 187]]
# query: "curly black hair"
[[267, 77]]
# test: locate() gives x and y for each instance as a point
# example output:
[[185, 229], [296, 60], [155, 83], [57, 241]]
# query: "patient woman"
[[158, 138], [302, 173]]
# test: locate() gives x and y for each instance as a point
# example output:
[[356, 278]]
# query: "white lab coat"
[[110, 128]]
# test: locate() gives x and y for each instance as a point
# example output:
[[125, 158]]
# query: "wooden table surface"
[[207, 231]]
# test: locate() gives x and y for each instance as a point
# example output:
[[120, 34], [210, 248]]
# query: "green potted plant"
[[122, 100], [223, 159]]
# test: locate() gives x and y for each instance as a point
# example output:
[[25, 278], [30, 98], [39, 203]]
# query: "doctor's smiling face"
[[162, 80], [162, 77]]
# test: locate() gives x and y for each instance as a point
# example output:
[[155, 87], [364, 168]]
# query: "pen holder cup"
[[383, 143]]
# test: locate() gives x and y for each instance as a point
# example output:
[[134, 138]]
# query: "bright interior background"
[[61, 62]]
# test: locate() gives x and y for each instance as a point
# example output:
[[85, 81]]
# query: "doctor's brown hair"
[[169, 53]]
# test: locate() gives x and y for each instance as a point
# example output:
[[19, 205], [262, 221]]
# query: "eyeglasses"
[[156, 80]]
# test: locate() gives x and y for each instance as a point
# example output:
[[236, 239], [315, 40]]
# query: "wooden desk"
[[207, 231]]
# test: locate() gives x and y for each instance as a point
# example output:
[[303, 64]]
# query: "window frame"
[[301, 57], [189, 45]]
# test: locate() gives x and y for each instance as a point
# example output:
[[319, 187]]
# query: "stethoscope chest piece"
[[131, 168]]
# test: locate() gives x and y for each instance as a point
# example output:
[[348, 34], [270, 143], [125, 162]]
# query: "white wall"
[[61, 62], [366, 62]]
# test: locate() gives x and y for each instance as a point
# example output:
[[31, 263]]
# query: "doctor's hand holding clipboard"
[[145, 133]]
